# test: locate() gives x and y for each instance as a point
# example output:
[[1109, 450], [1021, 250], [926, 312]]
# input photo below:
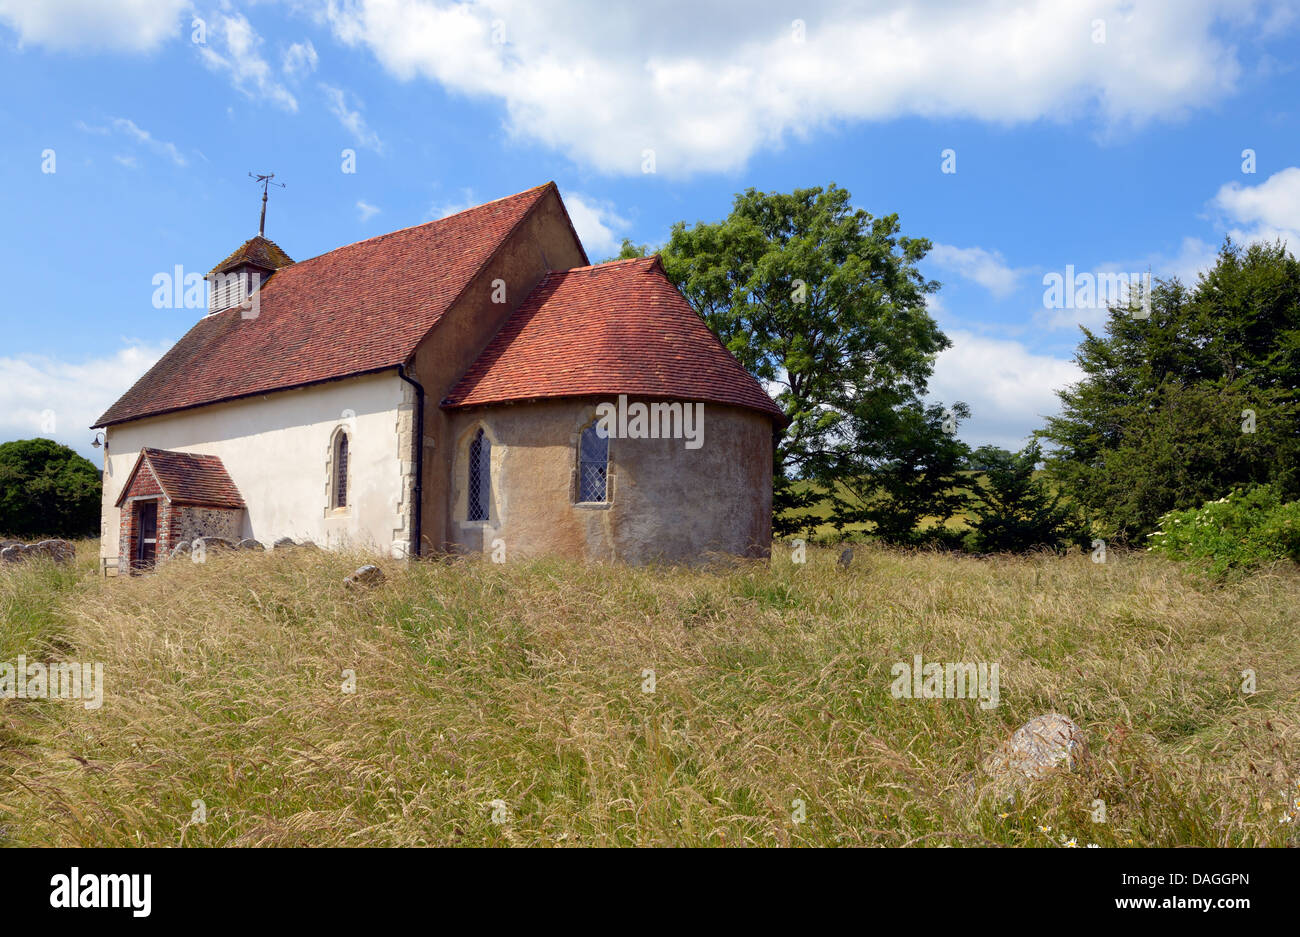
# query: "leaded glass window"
[[480, 480], [341, 471], [593, 465]]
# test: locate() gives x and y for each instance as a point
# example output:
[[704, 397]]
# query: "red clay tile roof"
[[186, 478], [258, 251], [356, 310], [615, 328]]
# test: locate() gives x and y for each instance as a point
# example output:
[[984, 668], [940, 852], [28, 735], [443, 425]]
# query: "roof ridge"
[[651, 258], [422, 224]]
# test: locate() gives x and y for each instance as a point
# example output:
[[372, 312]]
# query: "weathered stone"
[[250, 544], [6, 544], [60, 551], [1043, 745], [213, 544], [284, 543], [181, 549], [192, 520], [365, 576]]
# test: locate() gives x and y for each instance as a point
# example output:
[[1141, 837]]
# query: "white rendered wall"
[[278, 451]]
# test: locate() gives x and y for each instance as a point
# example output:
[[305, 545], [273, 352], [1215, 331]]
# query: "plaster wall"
[[278, 449], [666, 502]]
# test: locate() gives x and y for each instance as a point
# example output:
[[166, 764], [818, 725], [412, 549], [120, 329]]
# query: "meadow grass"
[[519, 691]]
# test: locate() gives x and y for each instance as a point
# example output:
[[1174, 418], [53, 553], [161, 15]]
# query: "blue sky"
[[1107, 136]]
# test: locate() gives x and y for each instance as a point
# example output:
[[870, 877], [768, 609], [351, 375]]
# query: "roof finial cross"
[[265, 179]]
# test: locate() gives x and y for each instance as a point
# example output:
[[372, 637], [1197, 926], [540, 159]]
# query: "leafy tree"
[[823, 302], [1014, 511], [912, 487], [47, 490], [1179, 447], [1197, 399], [630, 250], [984, 457]]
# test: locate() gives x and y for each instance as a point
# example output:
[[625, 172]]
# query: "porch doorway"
[[146, 528]]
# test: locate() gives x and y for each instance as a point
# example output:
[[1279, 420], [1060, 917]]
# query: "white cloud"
[[300, 59], [145, 138], [366, 211], [597, 223], [242, 62], [112, 25], [351, 120], [1192, 257], [42, 396], [1009, 388], [987, 268], [705, 87], [1265, 212], [139, 135]]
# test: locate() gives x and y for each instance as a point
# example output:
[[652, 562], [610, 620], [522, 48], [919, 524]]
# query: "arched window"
[[480, 477], [593, 466], [341, 471]]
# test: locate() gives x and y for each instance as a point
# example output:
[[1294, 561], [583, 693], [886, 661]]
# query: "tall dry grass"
[[517, 691]]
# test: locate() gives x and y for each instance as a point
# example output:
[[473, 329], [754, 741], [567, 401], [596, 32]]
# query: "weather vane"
[[265, 179]]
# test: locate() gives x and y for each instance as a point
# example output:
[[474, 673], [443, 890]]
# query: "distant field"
[[825, 532], [519, 691]]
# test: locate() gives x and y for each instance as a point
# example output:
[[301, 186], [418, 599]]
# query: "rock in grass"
[[1040, 747], [205, 545], [181, 549], [60, 551], [367, 575], [284, 543], [250, 544]]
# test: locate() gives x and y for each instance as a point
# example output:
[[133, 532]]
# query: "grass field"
[[507, 705]]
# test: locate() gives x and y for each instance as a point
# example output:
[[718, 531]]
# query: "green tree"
[[1197, 398], [47, 490], [911, 484], [630, 250], [984, 457], [1013, 510], [823, 302]]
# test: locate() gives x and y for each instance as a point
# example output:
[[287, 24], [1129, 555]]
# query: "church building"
[[473, 384]]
